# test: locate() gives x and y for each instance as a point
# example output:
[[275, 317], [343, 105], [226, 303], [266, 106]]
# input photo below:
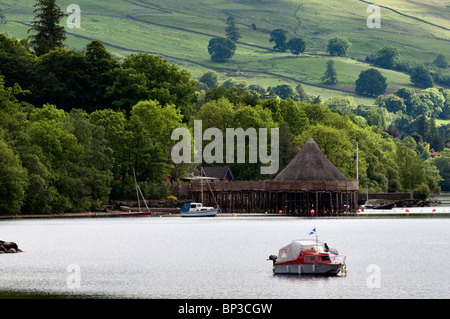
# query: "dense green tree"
[[433, 102], [48, 33], [100, 67], [446, 109], [421, 77], [94, 169], [392, 103], [119, 138], [410, 168], [371, 82], [152, 125], [414, 106], [334, 145], [296, 46], [303, 96], [388, 57], [217, 113], [338, 46], [441, 61], [13, 180], [233, 83], [293, 115], [77, 158], [258, 89], [422, 126], [236, 95], [436, 141], [210, 78], [62, 79], [344, 104], [16, 62], [231, 30], [250, 117], [330, 75], [284, 91], [221, 49], [279, 36], [442, 162], [165, 83], [128, 88]]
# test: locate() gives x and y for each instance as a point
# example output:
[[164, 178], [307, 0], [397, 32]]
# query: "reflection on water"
[[222, 257]]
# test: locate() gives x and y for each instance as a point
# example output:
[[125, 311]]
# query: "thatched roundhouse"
[[310, 183]]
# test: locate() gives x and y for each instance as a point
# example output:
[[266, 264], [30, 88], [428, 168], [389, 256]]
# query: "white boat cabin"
[[293, 250]]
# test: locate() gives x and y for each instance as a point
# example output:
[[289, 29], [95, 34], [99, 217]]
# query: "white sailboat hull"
[[200, 213]]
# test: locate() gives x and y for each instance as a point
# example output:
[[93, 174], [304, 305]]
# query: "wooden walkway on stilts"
[[325, 198]]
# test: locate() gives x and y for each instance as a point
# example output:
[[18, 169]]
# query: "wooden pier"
[[294, 198], [309, 185]]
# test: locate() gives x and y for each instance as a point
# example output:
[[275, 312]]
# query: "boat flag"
[[313, 231]]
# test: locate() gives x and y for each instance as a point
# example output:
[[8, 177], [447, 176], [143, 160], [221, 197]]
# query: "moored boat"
[[138, 213], [308, 257], [385, 206], [198, 210]]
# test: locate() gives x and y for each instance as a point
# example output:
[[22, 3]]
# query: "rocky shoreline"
[[9, 247], [415, 203]]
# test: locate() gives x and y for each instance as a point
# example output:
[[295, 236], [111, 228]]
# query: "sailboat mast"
[[201, 183], [357, 168], [137, 189], [367, 189]]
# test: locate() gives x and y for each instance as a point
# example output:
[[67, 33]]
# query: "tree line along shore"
[[74, 125]]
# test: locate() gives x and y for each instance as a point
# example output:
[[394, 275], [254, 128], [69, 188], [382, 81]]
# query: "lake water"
[[223, 257]]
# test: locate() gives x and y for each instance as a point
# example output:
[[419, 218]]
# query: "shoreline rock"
[[414, 203], [9, 247]]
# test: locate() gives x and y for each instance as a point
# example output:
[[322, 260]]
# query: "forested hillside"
[[76, 119]]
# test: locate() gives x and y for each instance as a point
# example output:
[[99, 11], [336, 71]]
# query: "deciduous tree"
[[421, 77], [296, 46], [221, 49], [338, 46], [371, 82], [388, 57], [279, 36]]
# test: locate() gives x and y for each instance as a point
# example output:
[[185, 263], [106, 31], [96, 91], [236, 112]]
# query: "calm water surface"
[[223, 257]]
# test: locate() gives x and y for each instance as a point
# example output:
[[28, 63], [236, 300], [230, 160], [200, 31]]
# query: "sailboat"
[[140, 212], [367, 205], [197, 209]]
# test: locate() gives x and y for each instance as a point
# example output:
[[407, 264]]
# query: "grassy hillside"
[[181, 30]]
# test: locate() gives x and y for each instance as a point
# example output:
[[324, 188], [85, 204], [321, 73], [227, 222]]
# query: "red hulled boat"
[[308, 257]]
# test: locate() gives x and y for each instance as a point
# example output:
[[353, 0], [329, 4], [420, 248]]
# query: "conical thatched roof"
[[310, 165]]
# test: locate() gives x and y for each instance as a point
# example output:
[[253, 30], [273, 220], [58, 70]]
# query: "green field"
[[180, 31]]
